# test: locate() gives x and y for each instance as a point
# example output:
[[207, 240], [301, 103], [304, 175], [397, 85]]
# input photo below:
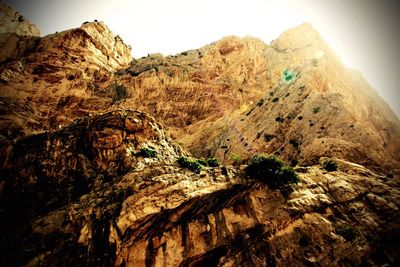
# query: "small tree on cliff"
[[271, 171]]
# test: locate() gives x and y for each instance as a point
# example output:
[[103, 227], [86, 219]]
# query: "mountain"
[[213, 93], [98, 166], [317, 108]]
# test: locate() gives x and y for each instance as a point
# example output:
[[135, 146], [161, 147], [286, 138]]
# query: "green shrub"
[[316, 109], [195, 167], [147, 153], [213, 162], [288, 175], [288, 75], [193, 164], [190, 164], [272, 171], [330, 165], [183, 161], [202, 162], [235, 158], [260, 102]]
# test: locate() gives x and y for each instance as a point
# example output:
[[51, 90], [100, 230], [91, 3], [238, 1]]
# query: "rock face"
[[12, 21], [249, 225], [50, 76], [88, 180], [17, 35], [194, 88], [293, 98], [87, 194], [317, 108], [45, 172]]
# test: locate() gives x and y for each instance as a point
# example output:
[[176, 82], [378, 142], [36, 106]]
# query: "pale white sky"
[[364, 33]]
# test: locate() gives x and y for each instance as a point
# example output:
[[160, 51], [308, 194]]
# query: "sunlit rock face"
[[12, 21], [249, 225], [316, 107], [47, 78], [89, 194], [86, 179], [293, 98], [17, 34]]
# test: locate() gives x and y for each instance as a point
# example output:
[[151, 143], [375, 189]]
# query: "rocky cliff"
[[90, 194], [237, 93], [86, 179], [317, 107], [17, 34], [42, 87], [13, 21]]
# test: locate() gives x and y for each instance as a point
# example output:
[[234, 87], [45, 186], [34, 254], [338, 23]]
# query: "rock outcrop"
[[47, 77], [44, 172], [13, 21], [17, 34]]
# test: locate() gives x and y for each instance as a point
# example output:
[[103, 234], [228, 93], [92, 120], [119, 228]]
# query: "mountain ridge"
[[193, 90], [98, 167]]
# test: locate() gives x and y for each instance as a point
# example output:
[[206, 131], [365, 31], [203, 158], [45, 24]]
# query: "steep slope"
[[202, 95], [49, 83], [318, 108], [76, 71], [42, 173], [197, 86], [179, 90]]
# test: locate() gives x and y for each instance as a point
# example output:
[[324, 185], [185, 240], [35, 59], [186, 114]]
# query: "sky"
[[364, 33]]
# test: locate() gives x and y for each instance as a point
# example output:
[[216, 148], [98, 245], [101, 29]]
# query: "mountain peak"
[[299, 37], [12, 21]]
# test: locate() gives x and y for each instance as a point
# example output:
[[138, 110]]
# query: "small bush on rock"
[[330, 165], [235, 158], [288, 175], [271, 171], [202, 162], [190, 164], [147, 153], [288, 75], [212, 162], [316, 109]]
